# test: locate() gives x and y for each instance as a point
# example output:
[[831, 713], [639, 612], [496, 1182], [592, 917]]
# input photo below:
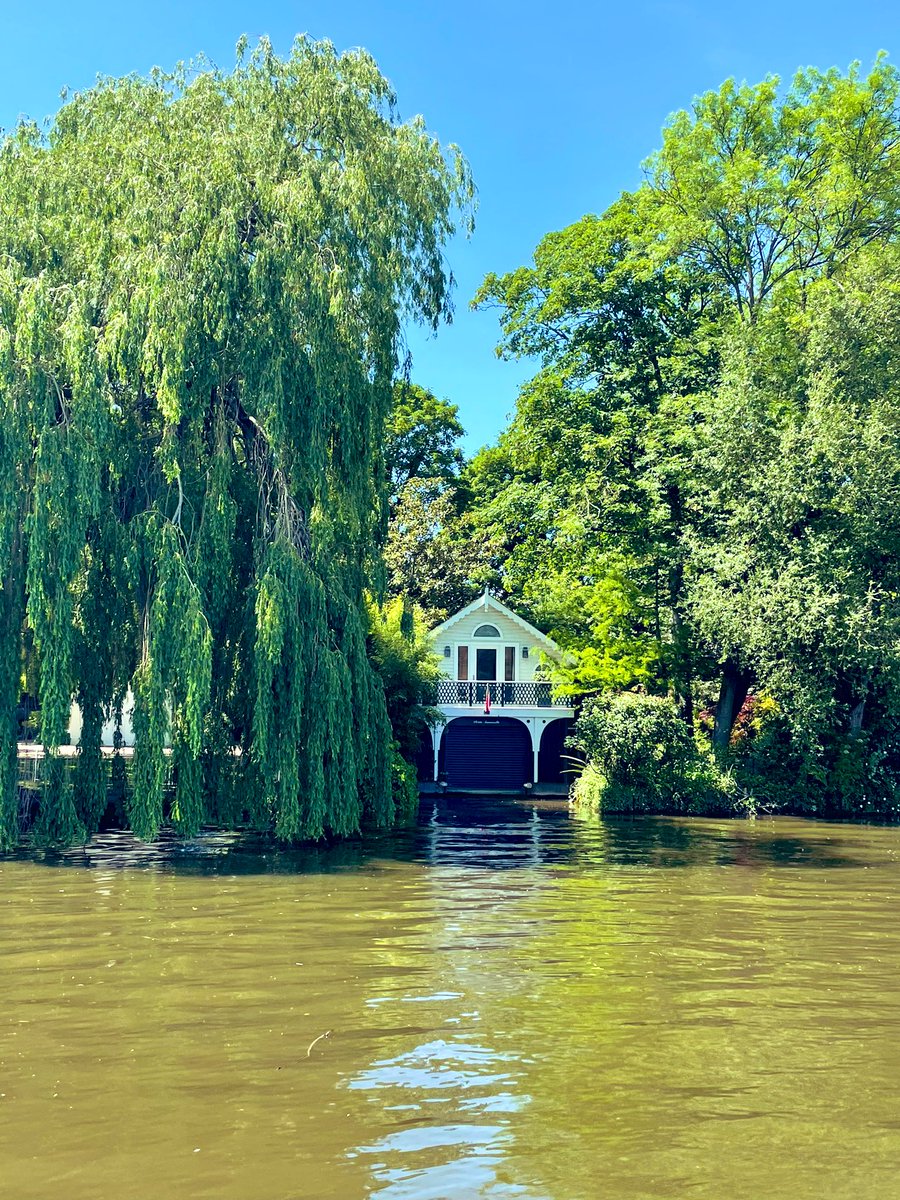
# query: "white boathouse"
[[503, 729]]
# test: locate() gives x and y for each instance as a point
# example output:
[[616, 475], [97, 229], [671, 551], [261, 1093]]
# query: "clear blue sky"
[[554, 103]]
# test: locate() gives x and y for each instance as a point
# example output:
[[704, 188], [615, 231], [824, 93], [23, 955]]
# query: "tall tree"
[[203, 276], [430, 557], [757, 186], [766, 192], [598, 456], [423, 435], [431, 560], [754, 196], [797, 579]]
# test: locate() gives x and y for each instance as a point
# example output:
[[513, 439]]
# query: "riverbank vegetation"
[[698, 494], [407, 668], [216, 467], [202, 284]]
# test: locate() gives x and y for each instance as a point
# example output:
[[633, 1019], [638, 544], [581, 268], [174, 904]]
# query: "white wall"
[[106, 737], [511, 634]]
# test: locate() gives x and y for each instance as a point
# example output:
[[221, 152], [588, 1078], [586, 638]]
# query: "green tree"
[[202, 283], [430, 558], [423, 435], [590, 489], [766, 192], [757, 186], [797, 580], [611, 505]]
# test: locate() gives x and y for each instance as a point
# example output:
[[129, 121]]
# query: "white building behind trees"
[[504, 730]]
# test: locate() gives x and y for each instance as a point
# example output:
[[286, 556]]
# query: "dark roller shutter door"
[[488, 752], [553, 759]]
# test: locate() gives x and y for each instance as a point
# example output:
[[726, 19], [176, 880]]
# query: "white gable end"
[[471, 628]]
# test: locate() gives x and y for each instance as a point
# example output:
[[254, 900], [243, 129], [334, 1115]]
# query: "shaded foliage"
[[406, 664], [202, 284], [698, 491]]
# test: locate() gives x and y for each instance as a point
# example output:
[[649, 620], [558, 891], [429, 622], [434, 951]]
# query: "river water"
[[517, 1004]]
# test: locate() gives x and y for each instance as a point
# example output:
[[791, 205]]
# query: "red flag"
[[487, 700]]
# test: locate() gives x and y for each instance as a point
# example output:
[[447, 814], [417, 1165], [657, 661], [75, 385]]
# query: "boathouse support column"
[[535, 736]]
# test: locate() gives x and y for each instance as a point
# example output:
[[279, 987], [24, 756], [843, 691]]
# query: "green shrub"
[[588, 788], [405, 788], [638, 743], [641, 757], [767, 761]]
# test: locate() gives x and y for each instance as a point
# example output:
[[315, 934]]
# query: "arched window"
[[487, 631]]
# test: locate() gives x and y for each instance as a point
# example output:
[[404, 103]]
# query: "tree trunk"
[[683, 670], [682, 666], [856, 717], [732, 694]]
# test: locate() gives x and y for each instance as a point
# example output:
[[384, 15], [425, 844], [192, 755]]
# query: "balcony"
[[464, 693]]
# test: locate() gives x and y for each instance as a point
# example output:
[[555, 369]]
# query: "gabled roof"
[[488, 603]]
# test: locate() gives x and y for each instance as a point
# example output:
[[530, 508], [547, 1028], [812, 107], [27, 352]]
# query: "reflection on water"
[[517, 1004]]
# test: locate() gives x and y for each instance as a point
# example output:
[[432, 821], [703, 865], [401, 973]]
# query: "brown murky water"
[[519, 1005]]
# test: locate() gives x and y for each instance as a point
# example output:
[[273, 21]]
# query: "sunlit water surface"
[[504, 1003]]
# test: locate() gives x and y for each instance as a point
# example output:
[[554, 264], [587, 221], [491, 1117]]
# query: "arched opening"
[[486, 752], [425, 758], [553, 766], [487, 631]]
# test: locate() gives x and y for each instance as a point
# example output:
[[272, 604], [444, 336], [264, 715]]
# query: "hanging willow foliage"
[[202, 281]]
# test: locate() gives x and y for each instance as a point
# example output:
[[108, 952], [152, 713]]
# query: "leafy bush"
[[400, 652], [641, 757], [768, 763], [587, 789], [405, 788], [638, 743], [841, 774]]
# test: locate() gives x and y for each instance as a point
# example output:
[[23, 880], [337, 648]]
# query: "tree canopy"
[[695, 496], [755, 185], [428, 560], [423, 434], [202, 284]]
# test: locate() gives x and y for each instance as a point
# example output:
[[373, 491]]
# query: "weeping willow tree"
[[203, 277]]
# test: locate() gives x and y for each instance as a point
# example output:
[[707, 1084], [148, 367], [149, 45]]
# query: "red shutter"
[[462, 662]]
